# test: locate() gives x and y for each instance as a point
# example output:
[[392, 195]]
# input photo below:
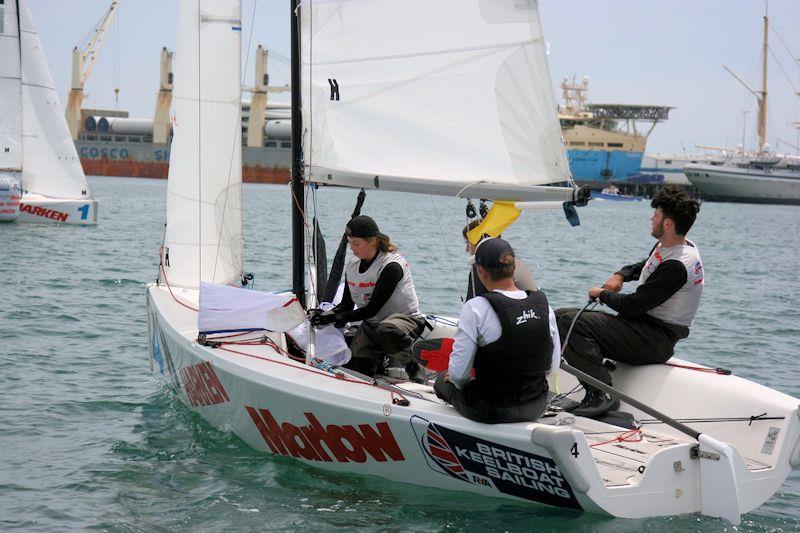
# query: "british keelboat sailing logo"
[[481, 462]]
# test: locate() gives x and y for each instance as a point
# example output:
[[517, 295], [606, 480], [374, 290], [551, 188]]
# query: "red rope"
[[634, 435], [700, 369]]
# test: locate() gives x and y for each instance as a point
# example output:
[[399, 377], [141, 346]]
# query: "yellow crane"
[[83, 59]]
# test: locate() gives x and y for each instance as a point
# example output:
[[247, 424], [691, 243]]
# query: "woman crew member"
[[378, 284]]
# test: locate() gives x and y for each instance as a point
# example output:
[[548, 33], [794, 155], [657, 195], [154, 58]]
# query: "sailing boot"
[[595, 403]]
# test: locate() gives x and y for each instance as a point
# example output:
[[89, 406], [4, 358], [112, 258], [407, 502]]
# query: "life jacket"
[[361, 285], [681, 307], [512, 369]]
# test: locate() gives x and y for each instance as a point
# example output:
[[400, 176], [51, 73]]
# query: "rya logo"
[[526, 315]]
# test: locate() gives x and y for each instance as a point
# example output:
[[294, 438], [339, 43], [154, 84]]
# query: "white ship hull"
[[732, 184]]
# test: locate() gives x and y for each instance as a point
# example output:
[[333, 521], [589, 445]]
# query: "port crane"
[[83, 59]]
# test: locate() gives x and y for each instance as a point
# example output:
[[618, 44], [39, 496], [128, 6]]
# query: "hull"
[[604, 165], [343, 424], [41, 209], [269, 164], [732, 184]]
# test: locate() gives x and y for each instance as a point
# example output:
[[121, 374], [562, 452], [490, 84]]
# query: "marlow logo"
[[527, 315], [316, 443]]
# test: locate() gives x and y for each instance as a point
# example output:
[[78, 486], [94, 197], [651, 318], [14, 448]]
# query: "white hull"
[[280, 406], [41, 209], [733, 184]]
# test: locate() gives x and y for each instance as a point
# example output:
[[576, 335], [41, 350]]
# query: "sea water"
[[88, 439]]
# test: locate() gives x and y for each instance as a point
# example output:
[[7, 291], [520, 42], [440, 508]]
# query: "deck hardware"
[[641, 469], [678, 493], [678, 465], [697, 453]]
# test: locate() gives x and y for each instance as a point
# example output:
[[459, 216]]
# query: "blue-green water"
[[88, 439]]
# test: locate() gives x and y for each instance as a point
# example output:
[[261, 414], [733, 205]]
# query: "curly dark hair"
[[677, 206]]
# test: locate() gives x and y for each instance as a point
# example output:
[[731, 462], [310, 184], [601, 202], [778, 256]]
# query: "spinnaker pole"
[[298, 199]]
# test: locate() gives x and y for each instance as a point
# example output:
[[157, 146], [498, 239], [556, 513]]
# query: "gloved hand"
[[319, 318]]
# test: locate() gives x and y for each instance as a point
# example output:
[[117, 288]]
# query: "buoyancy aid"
[[361, 285], [512, 369]]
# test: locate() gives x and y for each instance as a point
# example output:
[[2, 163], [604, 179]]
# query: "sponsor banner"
[[39, 211], [482, 462], [315, 442], [202, 385]]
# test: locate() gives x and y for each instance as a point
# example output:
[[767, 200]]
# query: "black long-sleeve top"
[[666, 280], [387, 281]]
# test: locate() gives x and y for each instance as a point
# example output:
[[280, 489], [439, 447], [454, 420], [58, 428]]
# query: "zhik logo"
[[526, 315]]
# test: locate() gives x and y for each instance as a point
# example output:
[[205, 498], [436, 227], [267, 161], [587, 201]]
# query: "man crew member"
[[378, 284], [509, 337], [650, 320], [523, 277]]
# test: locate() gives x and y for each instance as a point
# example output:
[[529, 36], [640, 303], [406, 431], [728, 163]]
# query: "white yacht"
[[764, 177]]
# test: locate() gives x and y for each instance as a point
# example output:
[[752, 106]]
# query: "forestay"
[[10, 90], [430, 96], [203, 239], [50, 164]]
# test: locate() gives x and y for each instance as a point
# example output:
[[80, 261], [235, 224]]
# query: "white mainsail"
[[50, 164], [429, 96], [10, 90], [203, 239]]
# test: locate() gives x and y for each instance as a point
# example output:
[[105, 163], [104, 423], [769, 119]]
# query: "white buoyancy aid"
[[403, 299], [681, 307]]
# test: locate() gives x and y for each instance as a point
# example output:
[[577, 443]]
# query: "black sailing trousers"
[[598, 335]]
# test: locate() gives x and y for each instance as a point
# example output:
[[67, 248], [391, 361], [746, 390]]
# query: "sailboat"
[[763, 177], [725, 446], [36, 149]]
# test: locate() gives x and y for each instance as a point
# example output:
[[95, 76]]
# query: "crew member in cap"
[[523, 277], [379, 291], [509, 338]]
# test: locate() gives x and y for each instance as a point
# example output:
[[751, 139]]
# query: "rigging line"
[[782, 70], [796, 59], [237, 137], [446, 248]]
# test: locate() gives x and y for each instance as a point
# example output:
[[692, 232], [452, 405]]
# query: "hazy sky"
[[667, 52]]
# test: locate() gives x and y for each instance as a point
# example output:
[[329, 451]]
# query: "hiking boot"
[[595, 403]]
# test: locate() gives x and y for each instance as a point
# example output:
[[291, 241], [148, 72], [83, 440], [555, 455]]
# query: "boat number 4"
[[84, 211], [574, 450]]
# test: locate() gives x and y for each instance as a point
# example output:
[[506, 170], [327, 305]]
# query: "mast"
[[298, 245], [762, 108]]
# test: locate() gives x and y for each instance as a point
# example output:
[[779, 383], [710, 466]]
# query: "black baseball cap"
[[363, 227], [490, 250]]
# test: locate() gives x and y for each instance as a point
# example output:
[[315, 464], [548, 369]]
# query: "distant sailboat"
[[35, 146], [766, 178]]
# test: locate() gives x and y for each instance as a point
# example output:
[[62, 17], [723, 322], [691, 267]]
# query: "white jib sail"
[[203, 240], [429, 91], [10, 90], [50, 164]]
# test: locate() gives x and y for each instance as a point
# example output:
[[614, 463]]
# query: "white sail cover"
[[50, 164], [203, 240], [429, 91], [10, 89]]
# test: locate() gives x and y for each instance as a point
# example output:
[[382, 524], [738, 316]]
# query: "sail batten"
[[203, 238], [454, 106]]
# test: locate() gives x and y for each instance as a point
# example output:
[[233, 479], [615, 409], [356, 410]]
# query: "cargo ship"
[[604, 141], [111, 143]]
